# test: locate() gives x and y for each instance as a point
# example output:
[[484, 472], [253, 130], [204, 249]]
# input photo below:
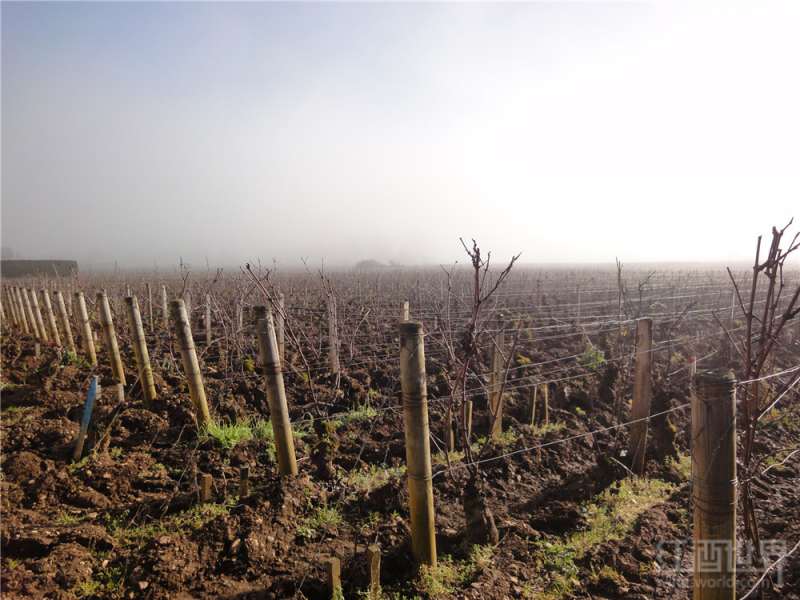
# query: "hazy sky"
[[571, 132]]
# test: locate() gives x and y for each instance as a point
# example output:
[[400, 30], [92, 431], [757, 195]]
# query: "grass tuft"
[[228, 435], [372, 477], [609, 517], [322, 519], [448, 574], [359, 413]]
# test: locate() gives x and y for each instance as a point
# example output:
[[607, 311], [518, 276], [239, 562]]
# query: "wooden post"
[[259, 312], [206, 482], [468, 420], [140, 352], [533, 405], [12, 306], [207, 319], [21, 317], [546, 402], [276, 397], [86, 329], [244, 481], [22, 312], [51, 318], [496, 383], [417, 436], [280, 326], [714, 486], [333, 571], [239, 317], [333, 336], [642, 394], [187, 298], [37, 315], [189, 359], [110, 338], [29, 310], [450, 430], [150, 308], [164, 311], [374, 562], [405, 314], [64, 318]]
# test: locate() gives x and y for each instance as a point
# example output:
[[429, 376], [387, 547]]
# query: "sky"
[[143, 133]]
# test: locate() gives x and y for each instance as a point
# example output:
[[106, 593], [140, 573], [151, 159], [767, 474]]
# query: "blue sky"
[[569, 131]]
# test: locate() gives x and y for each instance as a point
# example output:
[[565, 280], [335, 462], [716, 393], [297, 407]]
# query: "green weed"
[[610, 517], [359, 413], [683, 465], [228, 434], [322, 519], [71, 358], [372, 477], [592, 358], [64, 518], [448, 574]]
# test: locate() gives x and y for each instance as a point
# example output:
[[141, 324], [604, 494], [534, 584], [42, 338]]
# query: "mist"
[[142, 134]]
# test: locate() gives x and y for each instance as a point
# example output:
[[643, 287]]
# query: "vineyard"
[[456, 432]]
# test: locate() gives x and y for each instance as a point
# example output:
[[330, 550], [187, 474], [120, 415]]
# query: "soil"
[[126, 522]]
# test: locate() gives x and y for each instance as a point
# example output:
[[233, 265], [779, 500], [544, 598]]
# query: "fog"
[[218, 133]]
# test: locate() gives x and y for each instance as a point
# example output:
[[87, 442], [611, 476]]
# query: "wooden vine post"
[[51, 318], [417, 436], [333, 335], [12, 309], [190, 364], [280, 327], [714, 486], [110, 337], [206, 482], [259, 312], [374, 564], [140, 351], [534, 395], [244, 481], [85, 329], [333, 573], [164, 310], [23, 315], [496, 383], [239, 317], [207, 319], [37, 315], [150, 308], [64, 318], [3, 312], [31, 318], [642, 394], [276, 396]]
